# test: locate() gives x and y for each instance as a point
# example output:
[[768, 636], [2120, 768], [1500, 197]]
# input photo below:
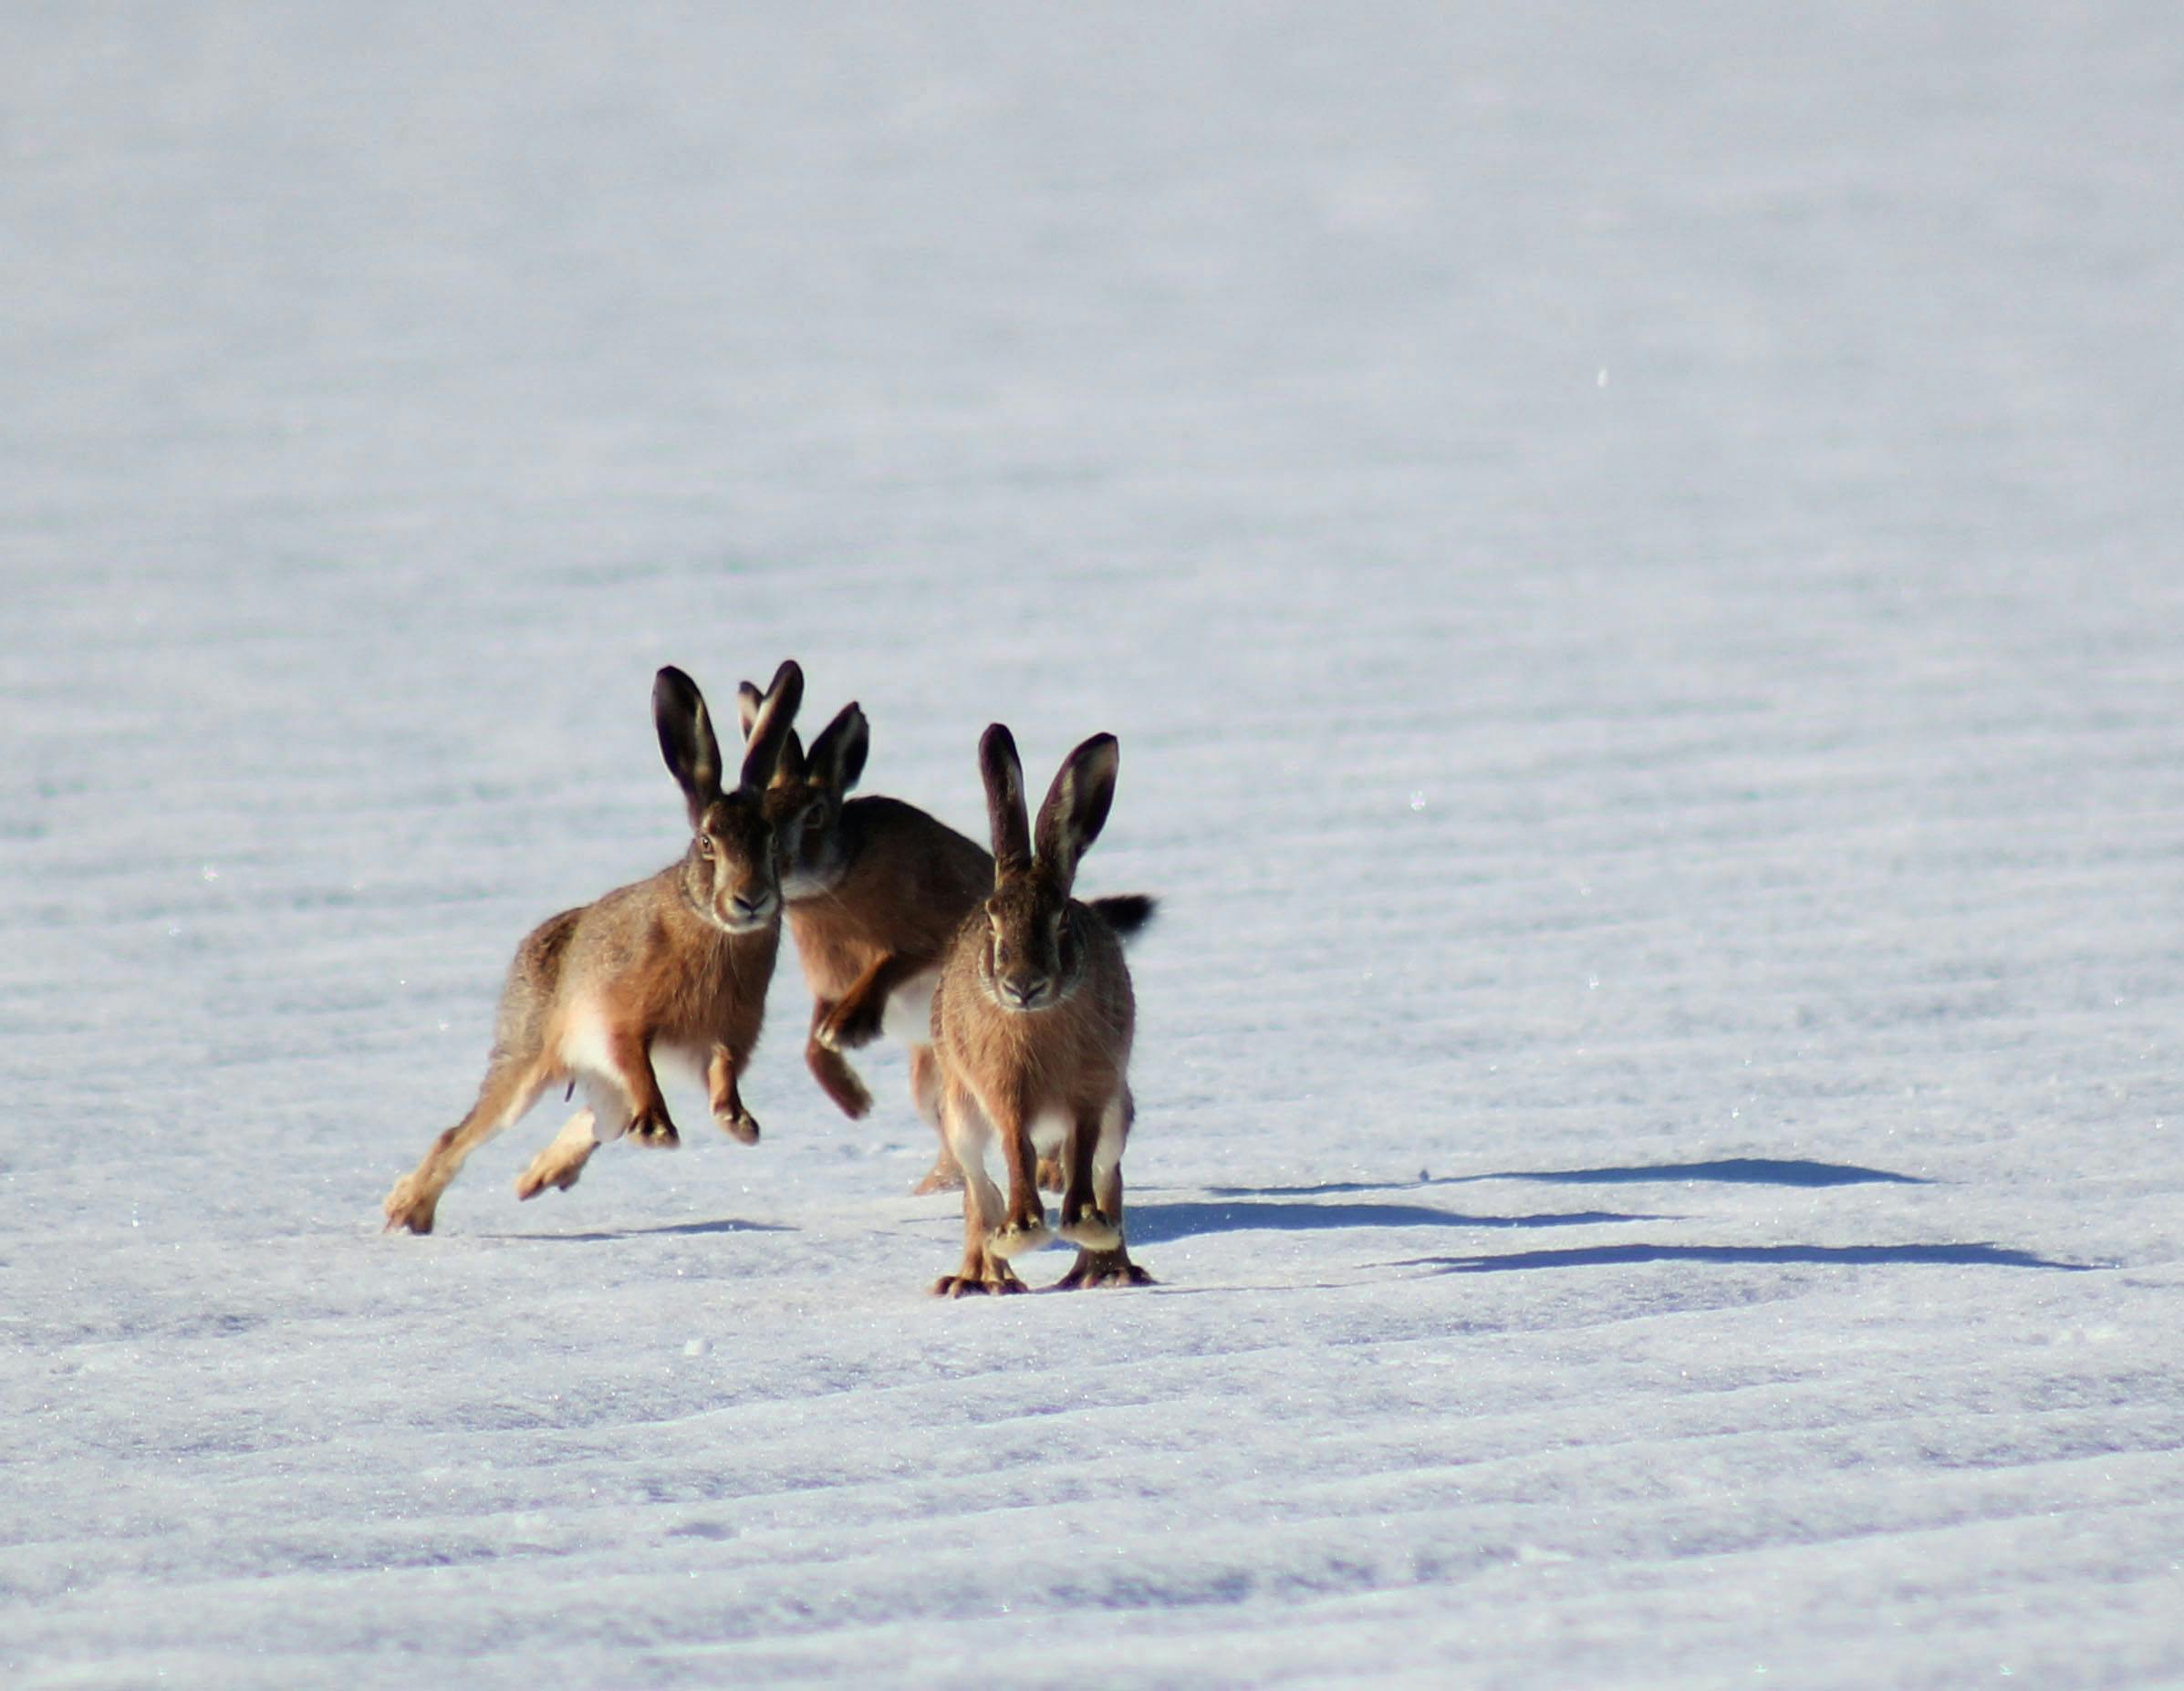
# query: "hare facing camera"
[[877, 889], [676, 965], [1032, 1021]]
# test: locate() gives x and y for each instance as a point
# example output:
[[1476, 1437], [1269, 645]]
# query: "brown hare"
[[675, 965], [876, 890], [1032, 1021]]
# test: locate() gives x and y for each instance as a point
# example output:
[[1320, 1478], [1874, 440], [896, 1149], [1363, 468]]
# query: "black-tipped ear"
[[837, 755], [770, 728], [1003, 772], [747, 700], [1077, 806], [686, 738]]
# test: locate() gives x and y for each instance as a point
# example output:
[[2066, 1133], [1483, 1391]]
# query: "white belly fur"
[[583, 1043], [583, 1052], [1048, 1132], [908, 1017]]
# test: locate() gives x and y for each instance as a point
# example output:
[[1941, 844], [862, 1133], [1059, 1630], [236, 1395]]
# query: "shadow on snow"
[[1156, 1223], [678, 1229], [1727, 1170], [1981, 1254]]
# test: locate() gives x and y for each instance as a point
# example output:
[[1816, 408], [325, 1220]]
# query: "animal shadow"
[[1156, 1223], [1980, 1254], [1727, 1170], [683, 1229]]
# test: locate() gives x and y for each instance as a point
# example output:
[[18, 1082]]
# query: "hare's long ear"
[[771, 728], [1002, 771], [1077, 806], [686, 739], [748, 702], [789, 772], [837, 755]]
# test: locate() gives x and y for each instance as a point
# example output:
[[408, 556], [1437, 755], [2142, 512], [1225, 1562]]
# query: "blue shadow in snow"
[[1978, 1255], [679, 1228], [1727, 1170], [1156, 1223]]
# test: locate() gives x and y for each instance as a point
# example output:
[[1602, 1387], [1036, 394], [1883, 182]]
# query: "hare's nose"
[[1021, 993], [753, 906]]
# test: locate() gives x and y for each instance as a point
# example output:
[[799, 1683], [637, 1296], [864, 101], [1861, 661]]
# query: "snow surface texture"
[[1633, 554]]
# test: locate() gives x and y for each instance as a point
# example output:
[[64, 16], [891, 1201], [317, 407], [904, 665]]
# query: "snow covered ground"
[[1636, 556]]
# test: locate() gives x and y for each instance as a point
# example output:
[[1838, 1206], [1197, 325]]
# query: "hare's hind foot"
[[1103, 1268], [1092, 1231], [541, 1176], [739, 1125], [946, 1174], [561, 1164], [410, 1206], [980, 1275]]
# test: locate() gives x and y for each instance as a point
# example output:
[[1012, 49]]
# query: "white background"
[[1634, 555]]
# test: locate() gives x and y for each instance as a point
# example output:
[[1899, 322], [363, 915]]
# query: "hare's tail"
[[1125, 913]]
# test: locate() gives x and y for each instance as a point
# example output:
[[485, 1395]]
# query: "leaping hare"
[[676, 965], [1032, 1021], [876, 890]]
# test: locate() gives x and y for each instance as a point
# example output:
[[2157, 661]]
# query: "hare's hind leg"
[[925, 1092], [510, 1088], [560, 1164], [1101, 1161], [969, 1131], [605, 1116]]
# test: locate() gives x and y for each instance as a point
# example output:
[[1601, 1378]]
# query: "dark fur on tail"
[[1125, 913]]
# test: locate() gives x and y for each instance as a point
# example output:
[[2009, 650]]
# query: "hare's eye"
[[704, 846]]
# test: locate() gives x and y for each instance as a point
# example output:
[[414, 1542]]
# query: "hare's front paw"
[[1018, 1237], [837, 1080], [410, 1206], [942, 1177], [656, 1131], [1091, 1230], [1050, 1176], [849, 1026], [738, 1124]]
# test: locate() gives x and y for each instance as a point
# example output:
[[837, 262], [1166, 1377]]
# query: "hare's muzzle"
[[747, 911], [1022, 992]]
